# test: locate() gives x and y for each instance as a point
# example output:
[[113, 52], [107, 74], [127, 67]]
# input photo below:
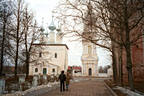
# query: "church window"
[[89, 50], [55, 55], [36, 69], [44, 70], [53, 70], [40, 54]]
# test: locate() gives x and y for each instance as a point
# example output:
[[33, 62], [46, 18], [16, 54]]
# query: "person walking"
[[68, 77], [62, 78]]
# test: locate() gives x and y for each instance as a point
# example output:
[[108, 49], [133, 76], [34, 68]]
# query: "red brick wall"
[[138, 64], [137, 59]]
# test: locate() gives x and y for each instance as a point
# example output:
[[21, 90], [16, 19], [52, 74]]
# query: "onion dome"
[[46, 33], [52, 27], [58, 30], [42, 29]]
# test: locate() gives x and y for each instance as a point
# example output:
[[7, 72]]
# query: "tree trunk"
[[114, 67], [129, 67], [17, 37], [2, 48], [16, 58], [128, 46], [27, 64], [121, 67]]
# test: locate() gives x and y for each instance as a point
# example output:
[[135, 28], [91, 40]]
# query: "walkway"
[[91, 87]]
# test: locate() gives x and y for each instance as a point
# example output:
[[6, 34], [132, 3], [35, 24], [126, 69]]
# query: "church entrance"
[[90, 71]]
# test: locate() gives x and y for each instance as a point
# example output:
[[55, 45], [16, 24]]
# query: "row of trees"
[[104, 69], [110, 24], [19, 30]]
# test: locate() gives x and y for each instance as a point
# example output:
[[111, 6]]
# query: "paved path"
[[92, 87]]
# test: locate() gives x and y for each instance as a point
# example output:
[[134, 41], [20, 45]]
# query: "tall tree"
[[115, 22], [5, 21], [31, 34], [19, 30]]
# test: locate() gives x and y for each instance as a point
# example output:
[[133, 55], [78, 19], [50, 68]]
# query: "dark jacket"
[[62, 77]]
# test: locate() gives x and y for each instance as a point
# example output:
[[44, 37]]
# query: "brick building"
[[137, 51]]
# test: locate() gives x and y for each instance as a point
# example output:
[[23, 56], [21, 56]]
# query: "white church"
[[89, 59], [89, 56], [50, 55]]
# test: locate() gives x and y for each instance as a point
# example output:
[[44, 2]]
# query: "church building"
[[50, 55], [89, 56], [89, 59]]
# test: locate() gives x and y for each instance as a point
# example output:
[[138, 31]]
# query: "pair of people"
[[64, 79]]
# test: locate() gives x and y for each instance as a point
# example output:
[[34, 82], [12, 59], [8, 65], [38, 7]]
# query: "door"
[[44, 70], [90, 71]]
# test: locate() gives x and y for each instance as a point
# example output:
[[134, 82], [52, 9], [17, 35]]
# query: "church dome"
[[58, 30], [42, 29], [52, 27]]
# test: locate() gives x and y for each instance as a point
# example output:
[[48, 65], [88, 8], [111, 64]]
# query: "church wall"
[[61, 60], [86, 68], [89, 59], [49, 60]]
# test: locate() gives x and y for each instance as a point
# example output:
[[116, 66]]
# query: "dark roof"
[[51, 45]]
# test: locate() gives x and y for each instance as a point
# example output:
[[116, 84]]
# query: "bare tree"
[[31, 34], [79, 19], [113, 22], [19, 30], [5, 21]]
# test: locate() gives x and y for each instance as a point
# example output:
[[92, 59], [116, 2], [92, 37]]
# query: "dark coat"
[[62, 77]]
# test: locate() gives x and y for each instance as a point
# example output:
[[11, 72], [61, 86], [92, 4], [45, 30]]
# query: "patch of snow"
[[127, 91], [22, 93]]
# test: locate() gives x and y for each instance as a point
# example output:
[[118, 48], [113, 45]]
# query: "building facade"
[[89, 56], [49, 56], [89, 59], [136, 48]]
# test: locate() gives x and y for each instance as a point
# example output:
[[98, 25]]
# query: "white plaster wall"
[[48, 59], [86, 63]]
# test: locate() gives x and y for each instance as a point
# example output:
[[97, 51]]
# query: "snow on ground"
[[33, 90], [128, 91]]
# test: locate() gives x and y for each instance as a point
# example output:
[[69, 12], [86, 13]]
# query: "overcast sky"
[[43, 9]]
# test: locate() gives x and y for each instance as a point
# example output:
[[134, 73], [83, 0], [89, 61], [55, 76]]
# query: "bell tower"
[[89, 56]]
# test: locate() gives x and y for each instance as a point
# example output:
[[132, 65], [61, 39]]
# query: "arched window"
[[90, 71], [89, 50], [53, 70], [40, 54], [36, 69], [55, 55]]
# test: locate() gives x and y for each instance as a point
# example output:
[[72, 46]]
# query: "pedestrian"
[[62, 78], [68, 77]]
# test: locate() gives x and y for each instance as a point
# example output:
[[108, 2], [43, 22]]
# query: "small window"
[[36, 69], [89, 50], [53, 70], [40, 54], [44, 70], [55, 55]]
